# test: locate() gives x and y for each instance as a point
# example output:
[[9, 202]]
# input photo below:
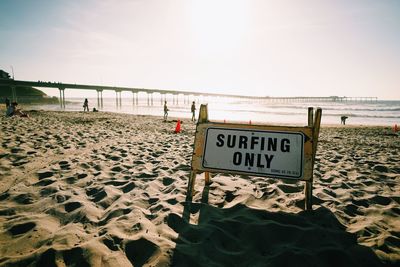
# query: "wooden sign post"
[[284, 152]]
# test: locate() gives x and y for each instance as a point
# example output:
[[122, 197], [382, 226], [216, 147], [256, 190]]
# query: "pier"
[[321, 99], [188, 96]]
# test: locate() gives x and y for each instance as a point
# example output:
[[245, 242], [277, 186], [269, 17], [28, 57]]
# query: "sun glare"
[[218, 26]]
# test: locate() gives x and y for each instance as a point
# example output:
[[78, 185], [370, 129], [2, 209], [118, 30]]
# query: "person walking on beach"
[[343, 120], [165, 111], [7, 102], [193, 111], [86, 105]]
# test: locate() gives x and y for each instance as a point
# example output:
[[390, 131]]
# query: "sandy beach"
[[107, 189]]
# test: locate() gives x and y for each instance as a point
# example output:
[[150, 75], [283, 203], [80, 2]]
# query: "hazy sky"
[[252, 47]]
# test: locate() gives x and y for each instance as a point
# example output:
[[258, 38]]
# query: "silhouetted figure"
[[7, 101], [13, 111], [95, 110], [343, 120], [193, 111], [165, 111], [86, 105]]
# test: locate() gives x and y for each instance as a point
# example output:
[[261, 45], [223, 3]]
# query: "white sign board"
[[257, 152]]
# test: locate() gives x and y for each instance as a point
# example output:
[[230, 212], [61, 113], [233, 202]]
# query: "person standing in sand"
[[86, 105], [193, 108], [165, 111], [12, 110], [343, 120], [7, 102]]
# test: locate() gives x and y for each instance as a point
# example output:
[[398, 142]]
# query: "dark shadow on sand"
[[242, 236]]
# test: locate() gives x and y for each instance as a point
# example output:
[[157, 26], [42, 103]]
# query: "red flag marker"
[[178, 126]]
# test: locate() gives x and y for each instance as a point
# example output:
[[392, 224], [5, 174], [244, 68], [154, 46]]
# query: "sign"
[[256, 152], [286, 152]]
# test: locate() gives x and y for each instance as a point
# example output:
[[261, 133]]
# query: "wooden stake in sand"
[[284, 152]]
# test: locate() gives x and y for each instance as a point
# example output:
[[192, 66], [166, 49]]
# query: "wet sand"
[[105, 189]]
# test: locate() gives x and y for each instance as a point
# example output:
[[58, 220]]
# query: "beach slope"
[[104, 189]]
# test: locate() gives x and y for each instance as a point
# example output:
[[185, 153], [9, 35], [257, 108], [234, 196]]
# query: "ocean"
[[384, 113]]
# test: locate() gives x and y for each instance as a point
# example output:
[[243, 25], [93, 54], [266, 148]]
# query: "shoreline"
[[375, 115], [172, 118], [98, 188]]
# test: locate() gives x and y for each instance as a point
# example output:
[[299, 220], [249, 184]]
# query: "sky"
[[243, 47]]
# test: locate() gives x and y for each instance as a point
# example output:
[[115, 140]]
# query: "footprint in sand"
[[167, 181], [71, 180], [22, 228], [114, 158], [97, 167], [4, 196], [380, 168], [117, 169], [96, 194], [153, 200], [44, 174], [24, 199], [290, 189], [229, 196], [73, 256], [47, 191], [7, 212], [61, 198], [44, 182], [381, 200], [129, 187], [172, 201], [182, 167], [82, 175], [20, 162], [64, 165], [146, 175], [16, 150], [112, 242], [71, 206], [85, 166], [352, 210], [116, 182], [139, 251]]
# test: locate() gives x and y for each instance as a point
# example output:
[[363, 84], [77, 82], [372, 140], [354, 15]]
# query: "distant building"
[[4, 75]]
